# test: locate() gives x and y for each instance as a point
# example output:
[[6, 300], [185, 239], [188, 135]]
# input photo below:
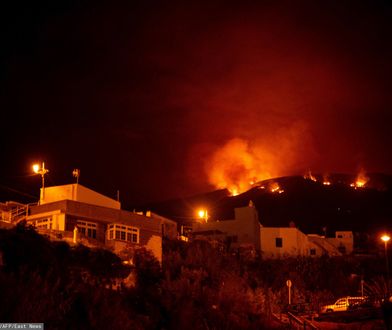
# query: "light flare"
[[203, 214], [35, 168], [326, 181]]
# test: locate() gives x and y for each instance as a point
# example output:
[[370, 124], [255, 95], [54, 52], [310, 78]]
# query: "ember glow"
[[309, 176], [275, 188]]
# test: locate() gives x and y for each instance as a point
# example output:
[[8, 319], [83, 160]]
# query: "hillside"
[[196, 287], [311, 205]]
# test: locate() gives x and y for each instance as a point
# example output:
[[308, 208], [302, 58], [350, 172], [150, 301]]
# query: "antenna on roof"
[[118, 195], [76, 174]]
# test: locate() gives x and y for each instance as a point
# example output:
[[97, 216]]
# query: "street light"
[[203, 214], [385, 238], [42, 171]]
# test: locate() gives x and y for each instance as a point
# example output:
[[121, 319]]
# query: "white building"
[[243, 231], [76, 214], [272, 242], [278, 242]]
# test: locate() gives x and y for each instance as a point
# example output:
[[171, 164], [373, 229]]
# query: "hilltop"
[[313, 206]]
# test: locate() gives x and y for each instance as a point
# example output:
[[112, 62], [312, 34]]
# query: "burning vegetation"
[[310, 176], [275, 188], [237, 167], [360, 181], [240, 164]]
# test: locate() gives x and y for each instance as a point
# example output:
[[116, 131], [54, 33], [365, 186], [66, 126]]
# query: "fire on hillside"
[[239, 167], [240, 164]]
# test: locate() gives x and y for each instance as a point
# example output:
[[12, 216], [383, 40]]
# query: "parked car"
[[344, 304]]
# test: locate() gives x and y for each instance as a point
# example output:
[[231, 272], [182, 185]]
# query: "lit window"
[[279, 242], [88, 229], [123, 233], [44, 223]]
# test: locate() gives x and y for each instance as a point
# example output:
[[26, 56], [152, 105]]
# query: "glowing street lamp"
[[203, 214], [41, 170], [385, 238]]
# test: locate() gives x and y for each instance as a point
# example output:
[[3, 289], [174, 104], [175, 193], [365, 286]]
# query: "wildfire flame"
[[360, 181], [240, 165], [237, 167], [233, 191], [275, 188], [309, 176]]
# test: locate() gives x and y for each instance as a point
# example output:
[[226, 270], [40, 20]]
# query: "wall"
[[318, 250], [322, 246], [294, 242], [154, 244], [125, 250], [343, 239], [245, 227], [66, 213], [169, 227], [77, 192], [58, 219]]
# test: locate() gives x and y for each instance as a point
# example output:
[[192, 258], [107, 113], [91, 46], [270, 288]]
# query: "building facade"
[[76, 214], [271, 242], [243, 231]]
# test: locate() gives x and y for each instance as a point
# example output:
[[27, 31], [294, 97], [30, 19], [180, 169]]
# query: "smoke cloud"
[[240, 163]]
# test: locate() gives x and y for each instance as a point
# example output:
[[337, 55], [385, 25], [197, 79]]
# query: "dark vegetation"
[[198, 287]]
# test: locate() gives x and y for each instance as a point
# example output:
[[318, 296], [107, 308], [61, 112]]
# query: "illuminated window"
[[123, 233], [44, 223], [279, 242], [88, 229]]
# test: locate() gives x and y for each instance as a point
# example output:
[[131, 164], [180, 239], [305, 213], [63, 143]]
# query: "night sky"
[[156, 99]]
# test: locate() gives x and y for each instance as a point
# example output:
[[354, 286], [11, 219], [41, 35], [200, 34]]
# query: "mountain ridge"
[[311, 205]]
